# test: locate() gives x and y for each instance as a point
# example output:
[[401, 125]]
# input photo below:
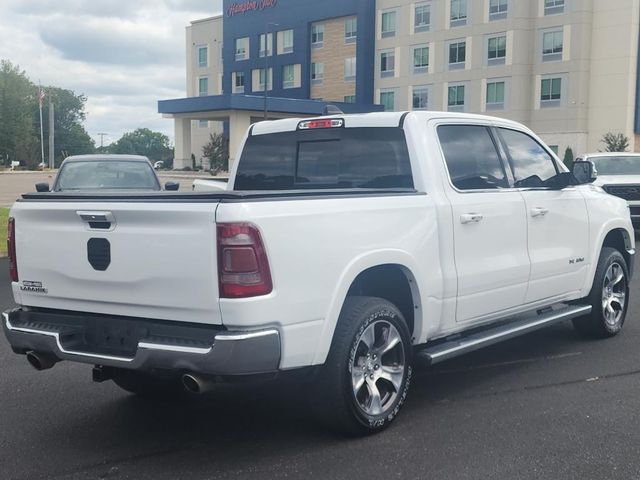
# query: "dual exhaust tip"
[[192, 383]]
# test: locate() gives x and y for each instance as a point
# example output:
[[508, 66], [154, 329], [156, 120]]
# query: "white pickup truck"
[[349, 246], [619, 175]]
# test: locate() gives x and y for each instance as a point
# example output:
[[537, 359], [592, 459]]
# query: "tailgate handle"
[[98, 220]]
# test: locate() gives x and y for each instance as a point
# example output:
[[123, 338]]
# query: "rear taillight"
[[11, 249], [243, 268]]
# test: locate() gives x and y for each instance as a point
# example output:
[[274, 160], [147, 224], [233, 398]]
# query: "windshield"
[[334, 158], [617, 165], [106, 175]]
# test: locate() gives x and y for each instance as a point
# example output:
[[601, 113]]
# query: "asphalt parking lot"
[[548, 405]]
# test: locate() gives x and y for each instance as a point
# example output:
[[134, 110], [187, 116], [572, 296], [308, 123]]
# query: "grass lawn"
[[4, 215]]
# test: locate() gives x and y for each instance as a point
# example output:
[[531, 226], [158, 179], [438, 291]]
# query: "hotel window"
[[317, 35], [455, 100], [550, 92], [242, 48], [420, 59], [350, 69], [552, 7], [495, 95], [496, 50], [388, 100], [422, 17], [498, 9], [554, 149], [387, 63], [457, 55], [288, 76], [458, 13], [388, 24], [317, 73], [238, 82], [262, 80], [203, 86], [420, 98], [350, 30], [285, 42], [203, 123], [349, 99], [203, 57], [268, 48], [552, 45]]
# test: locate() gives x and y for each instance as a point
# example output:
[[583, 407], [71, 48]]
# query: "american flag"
[[41, 96]]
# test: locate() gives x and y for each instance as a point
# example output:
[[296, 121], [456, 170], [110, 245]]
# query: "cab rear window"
[[325, 159]]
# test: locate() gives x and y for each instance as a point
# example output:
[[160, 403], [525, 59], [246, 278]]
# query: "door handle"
[[471, 218], [539, 211]]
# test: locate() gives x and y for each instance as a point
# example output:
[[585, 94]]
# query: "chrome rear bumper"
[[230, 353]]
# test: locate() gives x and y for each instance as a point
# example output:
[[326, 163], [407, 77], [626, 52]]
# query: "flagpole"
[[40, 100]]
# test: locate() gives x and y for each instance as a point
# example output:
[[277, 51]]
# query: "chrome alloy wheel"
[[614, 294], [378, 367]]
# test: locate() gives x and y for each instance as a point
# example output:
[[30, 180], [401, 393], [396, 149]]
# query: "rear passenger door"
[[489, 223], [557, 220]]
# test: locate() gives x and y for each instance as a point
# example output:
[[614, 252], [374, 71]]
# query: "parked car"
[[346, 247], [619, 175], [158, 165], [84, 173]]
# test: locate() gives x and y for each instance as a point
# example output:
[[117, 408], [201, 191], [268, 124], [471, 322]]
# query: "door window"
[[532, 165], [471, 156]]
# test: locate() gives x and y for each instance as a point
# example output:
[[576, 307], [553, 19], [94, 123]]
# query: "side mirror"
[[42, 187], [584, 171], [172, 186]]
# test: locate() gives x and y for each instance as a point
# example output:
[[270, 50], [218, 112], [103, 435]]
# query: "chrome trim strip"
[[174, 348], [247, 335]]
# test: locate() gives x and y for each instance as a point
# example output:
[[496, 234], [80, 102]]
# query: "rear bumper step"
[[451, 347], [211, 352]]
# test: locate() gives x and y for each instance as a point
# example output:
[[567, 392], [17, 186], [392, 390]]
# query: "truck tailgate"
[[153, 259]]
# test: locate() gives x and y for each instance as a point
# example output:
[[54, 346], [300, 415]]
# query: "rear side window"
[[471, 156], [531, 164], [325, 159]]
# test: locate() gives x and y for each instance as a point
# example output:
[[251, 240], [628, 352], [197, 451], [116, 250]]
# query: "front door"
[[557, 220], [489, 224]]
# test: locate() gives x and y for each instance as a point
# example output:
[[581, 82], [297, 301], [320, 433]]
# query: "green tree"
[[568, 157], [69, 114], [217, 151], [18, 100], [615, 142], [153, 145]]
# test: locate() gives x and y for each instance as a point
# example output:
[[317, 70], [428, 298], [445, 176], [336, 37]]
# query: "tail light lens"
[[11, 249], [243, 268]]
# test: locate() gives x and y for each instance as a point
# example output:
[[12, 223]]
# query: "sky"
[[124, 55]]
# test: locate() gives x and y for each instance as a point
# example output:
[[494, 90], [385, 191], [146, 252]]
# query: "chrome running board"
[[450, 347]]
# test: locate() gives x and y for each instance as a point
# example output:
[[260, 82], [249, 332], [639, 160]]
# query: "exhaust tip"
[[41, 361], [191, 383]]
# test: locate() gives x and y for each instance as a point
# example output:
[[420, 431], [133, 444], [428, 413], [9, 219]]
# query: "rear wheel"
[[608, 297], [149, 386], [365, 379]]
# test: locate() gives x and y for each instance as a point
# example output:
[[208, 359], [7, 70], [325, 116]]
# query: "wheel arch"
[[614, 236], [371, 275]]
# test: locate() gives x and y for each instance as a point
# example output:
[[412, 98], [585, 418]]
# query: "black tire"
[[337, 401], [601, 323], [149, 386]]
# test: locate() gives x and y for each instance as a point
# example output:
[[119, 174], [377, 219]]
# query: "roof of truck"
[[375, 119], [106, 157]]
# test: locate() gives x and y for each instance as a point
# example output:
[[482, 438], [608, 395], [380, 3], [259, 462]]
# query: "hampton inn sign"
[[249, 6]]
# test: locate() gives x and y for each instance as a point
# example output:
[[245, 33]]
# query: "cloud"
[[124, 55], [112, 41]]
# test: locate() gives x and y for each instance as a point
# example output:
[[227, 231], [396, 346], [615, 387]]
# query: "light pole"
[[266, 64]]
